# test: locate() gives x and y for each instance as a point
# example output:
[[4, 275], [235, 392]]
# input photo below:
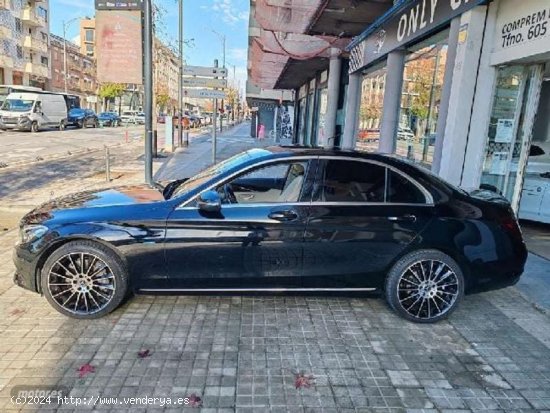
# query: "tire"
[[62, 125], [424, 286], [34, 127], [80, 124], [99, 288]]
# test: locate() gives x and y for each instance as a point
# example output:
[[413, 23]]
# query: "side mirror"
[[210, 201]]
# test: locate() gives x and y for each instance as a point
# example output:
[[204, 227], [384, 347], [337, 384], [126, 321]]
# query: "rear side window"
[[350, 181], [403, 191], [365, 182]]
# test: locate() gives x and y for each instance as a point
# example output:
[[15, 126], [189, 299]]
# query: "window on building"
[[420, 99], [42, 12], [44, 60], [18, 25], [2, 80], [89, 35], [20, 52], [89, 50]]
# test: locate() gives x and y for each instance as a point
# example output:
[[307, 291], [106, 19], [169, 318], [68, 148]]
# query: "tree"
[[110, 91], [162, 97]]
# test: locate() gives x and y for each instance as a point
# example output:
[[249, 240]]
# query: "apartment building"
[[80, 77], [24, 43], [87, 37], [165, 77]]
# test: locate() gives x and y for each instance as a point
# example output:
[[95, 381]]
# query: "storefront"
[[461, 88]]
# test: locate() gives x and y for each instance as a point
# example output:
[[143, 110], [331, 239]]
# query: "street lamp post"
[[180, 80], [222, 39], [65, 26]]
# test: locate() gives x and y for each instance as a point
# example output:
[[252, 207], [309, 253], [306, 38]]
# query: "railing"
[[6, 61], [37, 69]]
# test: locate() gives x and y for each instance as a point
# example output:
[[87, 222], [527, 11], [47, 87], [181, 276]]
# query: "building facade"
[[87, 37], [165, 78], [80, 75], [460, 87], [24, 43]]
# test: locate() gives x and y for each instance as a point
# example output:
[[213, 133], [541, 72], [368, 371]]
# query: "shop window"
[[421, 95], [370, 112]]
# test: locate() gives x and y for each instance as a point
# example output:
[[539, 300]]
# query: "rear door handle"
[[405, 218], [283, 216]]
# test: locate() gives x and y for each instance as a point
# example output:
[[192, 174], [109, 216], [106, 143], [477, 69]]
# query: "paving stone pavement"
[[244, 353]]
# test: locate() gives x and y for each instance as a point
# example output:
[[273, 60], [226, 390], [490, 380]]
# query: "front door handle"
[[283, 216], [406, 218]]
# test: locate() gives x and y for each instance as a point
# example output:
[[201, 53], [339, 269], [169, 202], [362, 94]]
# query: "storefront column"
[[446, 93], [333, 86], [392, 101], [465, 78], [353, 103]]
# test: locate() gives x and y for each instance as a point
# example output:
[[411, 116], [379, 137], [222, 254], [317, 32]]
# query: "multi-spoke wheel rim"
[[81, 283], [428, 289]]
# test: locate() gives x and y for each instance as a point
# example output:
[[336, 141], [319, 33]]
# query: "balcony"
[[30, 17], [35, 44], [6, 61], [4, 4], [37, 69], [5, 32]]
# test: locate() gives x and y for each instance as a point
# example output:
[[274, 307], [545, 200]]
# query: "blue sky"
[[229, 17]]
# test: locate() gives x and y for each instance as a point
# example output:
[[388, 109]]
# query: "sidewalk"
[[186, 162]]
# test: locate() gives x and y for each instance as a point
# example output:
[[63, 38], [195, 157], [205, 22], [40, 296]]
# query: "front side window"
[[278, 183]]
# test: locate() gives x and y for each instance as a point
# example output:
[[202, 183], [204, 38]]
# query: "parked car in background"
[[33, 111], [276, 219], [140, 118], [368, 135], [129, 116], [405, 134], [82, 118], [109, 119]]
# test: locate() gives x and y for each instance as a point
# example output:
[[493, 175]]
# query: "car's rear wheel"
[[34, 126], [425, 286], [84, 279]]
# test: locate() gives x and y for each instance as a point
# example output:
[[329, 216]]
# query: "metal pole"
[[223, 105], [65, 54], [148, 83], [107, 164], [214, 116], [180, 81]]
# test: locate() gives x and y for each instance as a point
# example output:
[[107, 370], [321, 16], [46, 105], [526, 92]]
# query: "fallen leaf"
[[85, 369], [303, 381], [144, 353], [195, 401], [16, 311]]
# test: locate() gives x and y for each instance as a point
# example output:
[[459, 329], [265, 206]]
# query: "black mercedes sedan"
[[275, 220]]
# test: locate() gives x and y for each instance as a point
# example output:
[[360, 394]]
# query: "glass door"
[[511, 124]]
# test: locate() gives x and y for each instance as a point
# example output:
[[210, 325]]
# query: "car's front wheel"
[[84, 279], [425, 286]]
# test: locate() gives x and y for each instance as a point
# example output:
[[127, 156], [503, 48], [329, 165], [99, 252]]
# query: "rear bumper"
[[494, 276]]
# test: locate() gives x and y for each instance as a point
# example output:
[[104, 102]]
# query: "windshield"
[[17, 105], [218, 169]]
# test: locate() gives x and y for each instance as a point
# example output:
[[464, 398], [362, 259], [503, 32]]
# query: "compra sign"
[[521, 32], [402, 27]]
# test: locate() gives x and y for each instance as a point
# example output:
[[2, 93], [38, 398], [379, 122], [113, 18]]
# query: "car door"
[[254, 241], [363, 215]]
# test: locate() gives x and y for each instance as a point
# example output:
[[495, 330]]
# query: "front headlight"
[[29, 233]]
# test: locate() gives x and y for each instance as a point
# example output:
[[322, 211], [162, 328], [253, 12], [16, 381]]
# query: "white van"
[[33, 111]]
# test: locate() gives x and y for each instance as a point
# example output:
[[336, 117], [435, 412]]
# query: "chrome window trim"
[[427, 194], [242, 171]]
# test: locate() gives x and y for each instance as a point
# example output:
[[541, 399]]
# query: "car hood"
[[124, 195]]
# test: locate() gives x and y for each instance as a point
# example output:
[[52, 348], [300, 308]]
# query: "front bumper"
[[25, 268], [21, 124]]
